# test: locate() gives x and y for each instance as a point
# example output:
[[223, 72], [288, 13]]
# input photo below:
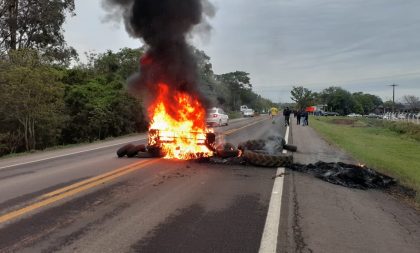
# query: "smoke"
[[164, 26]]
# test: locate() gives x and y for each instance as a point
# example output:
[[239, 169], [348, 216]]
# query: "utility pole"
[[393, 96]]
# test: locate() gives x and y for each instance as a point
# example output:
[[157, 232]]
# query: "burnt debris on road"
[[265, 153], [349, 175], [268, 153]]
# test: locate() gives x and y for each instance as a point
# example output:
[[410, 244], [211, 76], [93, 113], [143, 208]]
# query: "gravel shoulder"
[[322, 217]]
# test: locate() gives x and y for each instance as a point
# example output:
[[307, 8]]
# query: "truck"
[[247, 112]]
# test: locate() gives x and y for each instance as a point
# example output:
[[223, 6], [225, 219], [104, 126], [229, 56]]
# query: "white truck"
[[247, 112]]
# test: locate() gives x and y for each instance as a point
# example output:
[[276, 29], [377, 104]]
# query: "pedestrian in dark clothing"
[[298, 115], [305, 118], [286, 114]]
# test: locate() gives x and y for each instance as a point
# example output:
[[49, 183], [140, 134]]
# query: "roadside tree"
[[31, 112], [413, 102], [302, 96], [36, 25], [339, 100]]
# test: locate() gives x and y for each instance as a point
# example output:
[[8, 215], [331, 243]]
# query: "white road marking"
[[271, 227], [69, 154]]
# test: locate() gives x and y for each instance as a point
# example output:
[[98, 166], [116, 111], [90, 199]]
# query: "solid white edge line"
[[69, 154], [271, 228]]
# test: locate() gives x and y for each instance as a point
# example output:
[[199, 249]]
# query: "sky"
[[359, 45]]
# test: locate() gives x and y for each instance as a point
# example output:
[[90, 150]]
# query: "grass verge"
[[234, 115], [391, 152]]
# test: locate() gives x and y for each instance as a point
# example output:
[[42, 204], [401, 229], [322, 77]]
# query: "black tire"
[[252, 145], [142, 154], [124, 149], [265, 160], [155, 151], [132, 152], [227, 150], [289, 147]]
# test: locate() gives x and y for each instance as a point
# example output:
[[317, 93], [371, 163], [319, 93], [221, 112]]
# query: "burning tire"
[[124, 149], [132, 152], [227, 150], [267, 160], [273, 144]]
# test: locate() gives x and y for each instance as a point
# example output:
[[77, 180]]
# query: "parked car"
[[331, 114], [373, 115], [319, 113], [354, 115], [216, 116], [248, 113]]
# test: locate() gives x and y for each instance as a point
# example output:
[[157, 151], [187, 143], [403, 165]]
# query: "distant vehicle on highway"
[[249, 113], [373, 115], [331, 114], [354, 115], [243, 108], [216, 116]]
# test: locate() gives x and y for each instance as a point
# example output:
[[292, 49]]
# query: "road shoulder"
[[352, 220]]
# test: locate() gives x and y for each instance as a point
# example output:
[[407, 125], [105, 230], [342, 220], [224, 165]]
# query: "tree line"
[[339, 100], [47, 101]]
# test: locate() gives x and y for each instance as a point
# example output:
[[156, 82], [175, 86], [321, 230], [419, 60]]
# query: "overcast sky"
[[356, 44]]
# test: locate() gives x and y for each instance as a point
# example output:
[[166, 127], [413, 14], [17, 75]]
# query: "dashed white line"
[[271, 227]]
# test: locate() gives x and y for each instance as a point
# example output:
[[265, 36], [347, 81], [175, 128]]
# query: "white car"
[[248, 113], [216, 116], [354, 115]]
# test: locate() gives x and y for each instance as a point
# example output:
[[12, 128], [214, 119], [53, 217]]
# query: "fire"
[[178, 124]]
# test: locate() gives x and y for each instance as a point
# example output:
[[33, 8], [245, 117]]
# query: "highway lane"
[[165, 206], [67, 166], [183, 206]]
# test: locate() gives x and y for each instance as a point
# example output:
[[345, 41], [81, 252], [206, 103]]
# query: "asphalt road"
[[91, 201], [164, 206]]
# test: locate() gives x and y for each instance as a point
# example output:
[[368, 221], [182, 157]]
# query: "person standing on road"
[[286, 114], [298, 115], [305, 118]]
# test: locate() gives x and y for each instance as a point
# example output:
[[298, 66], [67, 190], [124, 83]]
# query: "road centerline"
[[70, 191]]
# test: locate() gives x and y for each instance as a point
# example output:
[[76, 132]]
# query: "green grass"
[[391, 152], [234, 115]]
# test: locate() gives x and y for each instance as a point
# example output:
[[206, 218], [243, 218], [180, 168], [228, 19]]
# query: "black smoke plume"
[[164, 26]]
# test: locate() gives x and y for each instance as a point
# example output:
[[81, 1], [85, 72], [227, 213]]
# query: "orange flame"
[[182, 133]]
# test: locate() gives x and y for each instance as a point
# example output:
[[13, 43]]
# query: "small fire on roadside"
[[179, 130]]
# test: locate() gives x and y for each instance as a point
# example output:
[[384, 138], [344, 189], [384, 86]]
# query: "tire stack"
[[267, 153]]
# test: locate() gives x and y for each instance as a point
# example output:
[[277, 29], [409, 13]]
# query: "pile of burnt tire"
[[139, 151], [348, 175], [262, 152]]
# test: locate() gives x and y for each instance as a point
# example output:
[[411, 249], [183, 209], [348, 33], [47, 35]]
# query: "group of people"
[[301, 117]]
